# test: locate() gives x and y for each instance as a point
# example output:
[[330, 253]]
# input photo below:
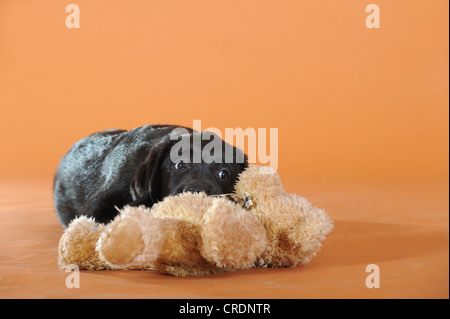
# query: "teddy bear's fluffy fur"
[[195, 234]]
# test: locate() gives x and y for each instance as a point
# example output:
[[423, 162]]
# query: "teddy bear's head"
[[294, 228], [260, 183]]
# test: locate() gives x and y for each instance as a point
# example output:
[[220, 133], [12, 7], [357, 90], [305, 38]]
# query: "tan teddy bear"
[[195, 234]]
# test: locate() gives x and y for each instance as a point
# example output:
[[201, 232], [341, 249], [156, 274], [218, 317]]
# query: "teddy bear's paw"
[[232, 237], [77, 245]]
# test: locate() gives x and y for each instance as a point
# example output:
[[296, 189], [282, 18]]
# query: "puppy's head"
[[189, 162]]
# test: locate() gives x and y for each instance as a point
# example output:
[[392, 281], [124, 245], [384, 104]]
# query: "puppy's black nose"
[[192, 190]]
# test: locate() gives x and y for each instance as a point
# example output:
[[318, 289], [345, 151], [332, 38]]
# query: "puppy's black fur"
[[115, 168]]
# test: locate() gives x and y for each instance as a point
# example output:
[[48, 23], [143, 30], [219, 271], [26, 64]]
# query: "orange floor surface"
[[401, 227]]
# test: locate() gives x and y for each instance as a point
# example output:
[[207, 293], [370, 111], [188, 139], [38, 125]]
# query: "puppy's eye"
[[223, 174], [179, 165]]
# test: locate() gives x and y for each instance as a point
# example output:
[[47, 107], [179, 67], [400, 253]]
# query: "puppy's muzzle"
[[190, 189]]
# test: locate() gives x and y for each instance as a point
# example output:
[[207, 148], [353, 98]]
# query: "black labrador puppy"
[[115, 168]]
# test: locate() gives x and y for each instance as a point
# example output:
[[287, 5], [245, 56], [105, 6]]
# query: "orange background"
[[362, 117], [348, 101]]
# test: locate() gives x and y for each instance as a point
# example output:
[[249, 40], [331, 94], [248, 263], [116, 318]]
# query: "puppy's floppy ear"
[[243, 166], [240, 158], [145, 185]]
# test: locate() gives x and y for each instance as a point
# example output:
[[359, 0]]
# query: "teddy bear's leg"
[[138, 240], [77, 245], [299, 237], [125, 243], [180, 252], [232, 237], [311, 229]]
